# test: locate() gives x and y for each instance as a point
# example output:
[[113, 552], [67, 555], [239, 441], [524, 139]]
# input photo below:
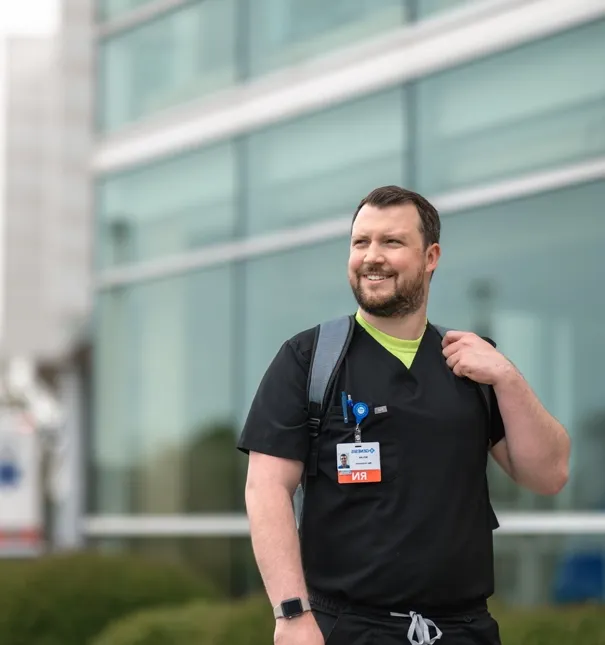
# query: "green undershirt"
[[404, 350]]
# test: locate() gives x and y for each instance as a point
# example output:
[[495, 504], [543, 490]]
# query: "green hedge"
[[251, 623], [12, 576], [550, 626], [68, 599], [248, 622]]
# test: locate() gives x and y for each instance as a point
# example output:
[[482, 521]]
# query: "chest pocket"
[[377, 426]]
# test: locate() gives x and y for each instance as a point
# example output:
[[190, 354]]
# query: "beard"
[[404, 299]]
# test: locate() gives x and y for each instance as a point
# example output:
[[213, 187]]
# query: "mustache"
[[376, 270], [380, 270]]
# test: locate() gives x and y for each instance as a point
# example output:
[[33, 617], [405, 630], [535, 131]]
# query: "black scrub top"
[[420, 539]]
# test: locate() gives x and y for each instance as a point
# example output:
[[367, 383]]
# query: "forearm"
[[275, 542], [538, 445]]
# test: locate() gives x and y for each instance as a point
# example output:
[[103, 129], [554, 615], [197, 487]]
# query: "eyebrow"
[[383, 236]]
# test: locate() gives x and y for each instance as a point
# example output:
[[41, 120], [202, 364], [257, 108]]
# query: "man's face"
[[389, 268], [343, 460]]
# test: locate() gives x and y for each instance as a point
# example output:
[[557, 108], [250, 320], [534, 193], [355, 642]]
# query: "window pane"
[[547, 569], [164, 438], [110, 9], [320, 166], [427, 8], [179, 56], [529, 274], [284, 32], [169, 207], [286, 294], [532, 108], [228, 562]]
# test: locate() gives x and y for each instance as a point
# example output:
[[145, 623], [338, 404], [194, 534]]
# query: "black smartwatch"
[[291, 608]]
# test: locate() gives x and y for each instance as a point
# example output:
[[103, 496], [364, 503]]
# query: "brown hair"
[[430, 224]]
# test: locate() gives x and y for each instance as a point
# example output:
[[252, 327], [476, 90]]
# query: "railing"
[[236, 525]]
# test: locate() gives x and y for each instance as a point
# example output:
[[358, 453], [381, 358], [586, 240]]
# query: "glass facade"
[[203, 46], [179, 358], [428, 8], [167, 207], [187, 53], [302, 171], [164, 384], [285, 32], [554, 115]]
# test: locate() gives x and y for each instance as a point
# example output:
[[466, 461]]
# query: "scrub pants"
[[472, 628]]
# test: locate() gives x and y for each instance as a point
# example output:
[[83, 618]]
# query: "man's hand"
[[302, 630], [468, 355]]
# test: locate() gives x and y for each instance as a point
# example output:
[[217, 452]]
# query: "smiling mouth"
[[376, 278]]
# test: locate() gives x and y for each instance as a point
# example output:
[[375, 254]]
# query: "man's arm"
[[536, 450], [270, 487], [276, 438]]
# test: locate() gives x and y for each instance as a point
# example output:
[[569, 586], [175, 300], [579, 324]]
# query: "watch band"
[[304, 605]]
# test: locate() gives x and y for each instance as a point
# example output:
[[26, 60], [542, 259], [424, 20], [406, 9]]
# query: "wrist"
[[505, 375], [305, 618]]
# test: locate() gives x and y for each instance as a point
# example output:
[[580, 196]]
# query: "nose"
[[373, 254]]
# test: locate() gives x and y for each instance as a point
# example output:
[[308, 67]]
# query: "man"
[[344, 461], [408, 557]]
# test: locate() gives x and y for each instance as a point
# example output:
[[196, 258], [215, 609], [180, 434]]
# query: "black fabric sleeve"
[[277, 421], [496, 431]]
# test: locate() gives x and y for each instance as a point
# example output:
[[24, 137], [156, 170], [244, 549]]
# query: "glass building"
[[234, 140]]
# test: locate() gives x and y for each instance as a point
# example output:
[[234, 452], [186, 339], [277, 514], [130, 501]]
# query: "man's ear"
[[433, 253]]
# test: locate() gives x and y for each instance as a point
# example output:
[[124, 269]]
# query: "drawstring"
[[421, 629]]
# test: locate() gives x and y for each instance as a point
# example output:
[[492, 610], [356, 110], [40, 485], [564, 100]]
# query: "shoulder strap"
[[484, 389], [332, 340]]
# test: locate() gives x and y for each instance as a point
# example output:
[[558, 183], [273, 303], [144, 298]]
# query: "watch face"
[[292, 607]]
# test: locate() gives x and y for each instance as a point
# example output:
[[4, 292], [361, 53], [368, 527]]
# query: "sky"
[[18, 17]]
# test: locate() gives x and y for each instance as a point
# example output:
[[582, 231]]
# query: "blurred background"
[[177, 179]]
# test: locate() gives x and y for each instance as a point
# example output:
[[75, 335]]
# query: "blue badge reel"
[[360, 410]]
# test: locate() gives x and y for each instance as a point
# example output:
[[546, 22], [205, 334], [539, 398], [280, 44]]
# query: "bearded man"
[[404, 554]]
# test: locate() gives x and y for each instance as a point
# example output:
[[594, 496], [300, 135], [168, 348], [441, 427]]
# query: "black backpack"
[[332, 340]]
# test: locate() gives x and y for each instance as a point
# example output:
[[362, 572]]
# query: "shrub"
[[248, 622], [546, 626], [12, 577], [67, 599]]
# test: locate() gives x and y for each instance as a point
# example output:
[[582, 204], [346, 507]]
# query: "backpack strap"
[[487, 400], [483, 388], [332, 340]]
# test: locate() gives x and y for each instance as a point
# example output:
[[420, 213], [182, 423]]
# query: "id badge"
[[358, 463]]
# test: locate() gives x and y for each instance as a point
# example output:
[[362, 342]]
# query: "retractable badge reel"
[[360, 410]]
